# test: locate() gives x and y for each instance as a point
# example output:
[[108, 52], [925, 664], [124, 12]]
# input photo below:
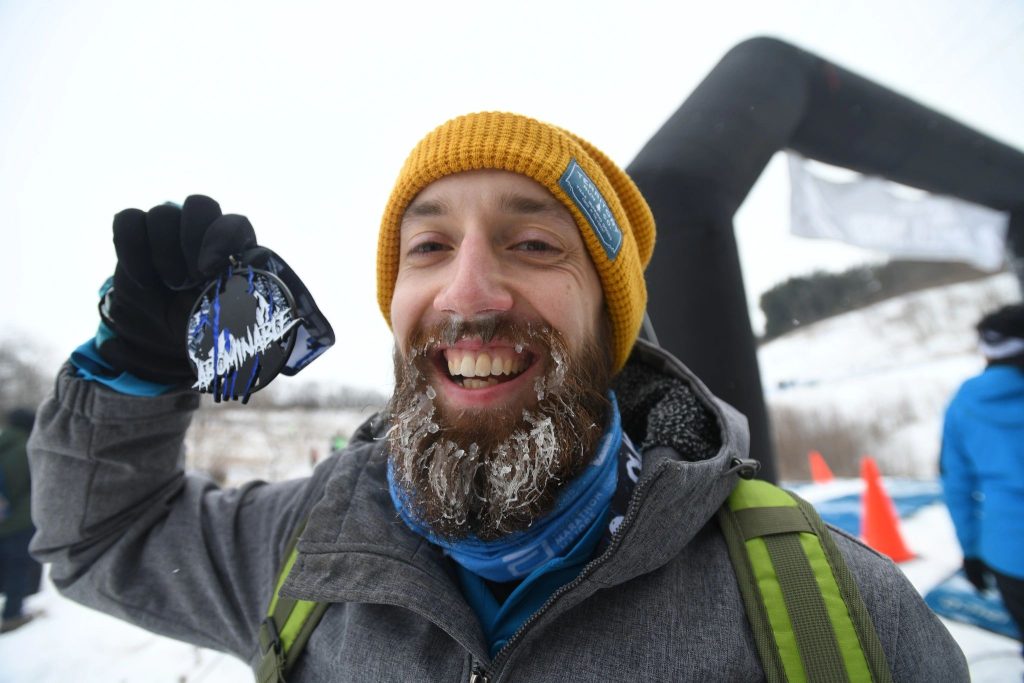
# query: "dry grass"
[[841, 440]]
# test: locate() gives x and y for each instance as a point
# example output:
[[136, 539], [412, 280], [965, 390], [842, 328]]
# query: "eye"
[[536, 246], [426, 244], [426, 247]]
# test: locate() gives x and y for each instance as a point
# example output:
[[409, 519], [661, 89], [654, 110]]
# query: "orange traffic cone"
[[820, 472], [879, 523]]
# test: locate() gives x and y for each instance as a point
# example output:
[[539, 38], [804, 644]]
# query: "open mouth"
[[484, 368]]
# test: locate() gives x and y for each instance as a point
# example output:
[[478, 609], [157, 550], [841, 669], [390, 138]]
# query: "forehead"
[[491, 190]]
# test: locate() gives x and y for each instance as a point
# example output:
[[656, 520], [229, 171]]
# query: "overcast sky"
[[299, 115]]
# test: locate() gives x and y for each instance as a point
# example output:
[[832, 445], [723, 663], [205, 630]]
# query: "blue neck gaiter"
[[576, 508]]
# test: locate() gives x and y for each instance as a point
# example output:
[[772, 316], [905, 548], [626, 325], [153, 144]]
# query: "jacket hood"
[[995, 396], [692, 445]]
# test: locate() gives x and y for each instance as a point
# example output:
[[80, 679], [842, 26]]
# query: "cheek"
[[592, 308], [576, 312], [407, 305]]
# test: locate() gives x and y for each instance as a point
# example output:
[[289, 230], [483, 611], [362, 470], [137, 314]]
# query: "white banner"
[[868, 213]]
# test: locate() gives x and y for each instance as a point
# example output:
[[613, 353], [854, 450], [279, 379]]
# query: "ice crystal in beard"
[[554, 378], [536, 453], [491, 472]]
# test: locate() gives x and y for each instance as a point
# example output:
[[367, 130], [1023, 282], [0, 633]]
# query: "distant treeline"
[[810, 298], [25, 379], [286, 393]]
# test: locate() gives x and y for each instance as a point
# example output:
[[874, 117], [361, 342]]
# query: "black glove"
[[977, 573], [164, 259]]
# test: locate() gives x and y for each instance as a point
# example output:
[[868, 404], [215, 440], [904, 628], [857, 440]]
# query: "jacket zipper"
[[478, 674], [638, 494]]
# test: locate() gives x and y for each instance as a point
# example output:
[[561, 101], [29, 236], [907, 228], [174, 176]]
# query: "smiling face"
[[501, 362], [491, 243]]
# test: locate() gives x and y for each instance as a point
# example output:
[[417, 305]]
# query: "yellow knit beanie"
[[613, 218]]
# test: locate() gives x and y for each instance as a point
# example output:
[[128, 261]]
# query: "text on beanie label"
[[587, 198]]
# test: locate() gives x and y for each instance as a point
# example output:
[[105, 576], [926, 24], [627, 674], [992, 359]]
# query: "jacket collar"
[[356, 549]]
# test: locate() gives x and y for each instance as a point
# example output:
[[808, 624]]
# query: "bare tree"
[[23, 381]]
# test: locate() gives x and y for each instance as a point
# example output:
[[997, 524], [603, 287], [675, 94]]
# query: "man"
[[19, 573], [535, 504], [983, 461]]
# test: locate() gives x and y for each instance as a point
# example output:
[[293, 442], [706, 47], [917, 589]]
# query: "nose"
[[476, 283]]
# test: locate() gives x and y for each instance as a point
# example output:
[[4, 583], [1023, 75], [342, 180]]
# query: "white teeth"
[[493, 363]]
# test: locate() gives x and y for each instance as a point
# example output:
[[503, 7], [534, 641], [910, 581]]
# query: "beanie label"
[[587, 198]]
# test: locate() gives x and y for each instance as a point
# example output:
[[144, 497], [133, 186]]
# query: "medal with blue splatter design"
[[241, 333]]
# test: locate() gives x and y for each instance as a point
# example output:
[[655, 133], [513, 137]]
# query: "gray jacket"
[[129, 533]]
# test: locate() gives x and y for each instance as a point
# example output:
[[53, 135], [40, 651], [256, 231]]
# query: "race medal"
[[240, 333]]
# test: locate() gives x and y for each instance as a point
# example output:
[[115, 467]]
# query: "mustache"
[[488, 327]]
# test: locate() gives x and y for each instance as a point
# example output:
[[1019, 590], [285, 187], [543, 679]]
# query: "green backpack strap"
[[289, 623], [808, 619]]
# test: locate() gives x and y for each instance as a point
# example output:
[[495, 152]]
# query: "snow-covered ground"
[[902, 357], [71, 643]]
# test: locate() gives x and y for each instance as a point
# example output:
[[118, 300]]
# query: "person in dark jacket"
[[19, 573], [538, 500], [982, 461]]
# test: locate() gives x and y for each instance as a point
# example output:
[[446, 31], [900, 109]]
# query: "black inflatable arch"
[[764, 96]]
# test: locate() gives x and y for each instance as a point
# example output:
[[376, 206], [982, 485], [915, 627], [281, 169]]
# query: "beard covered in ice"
[[494, 471]]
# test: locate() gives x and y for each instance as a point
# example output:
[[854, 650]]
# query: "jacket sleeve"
[[959, 484], [129, 533]]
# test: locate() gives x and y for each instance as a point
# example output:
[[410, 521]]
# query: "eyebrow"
[[517, 203], [425, 208]]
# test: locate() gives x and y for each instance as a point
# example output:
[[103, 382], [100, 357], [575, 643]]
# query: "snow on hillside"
[[895, 363], [889, 368], [236, 444]]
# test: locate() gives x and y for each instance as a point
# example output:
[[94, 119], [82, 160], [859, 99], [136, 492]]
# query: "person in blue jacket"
[[982, 461]]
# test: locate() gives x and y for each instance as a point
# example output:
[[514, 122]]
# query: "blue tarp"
[[908, 496], [955, 598]]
